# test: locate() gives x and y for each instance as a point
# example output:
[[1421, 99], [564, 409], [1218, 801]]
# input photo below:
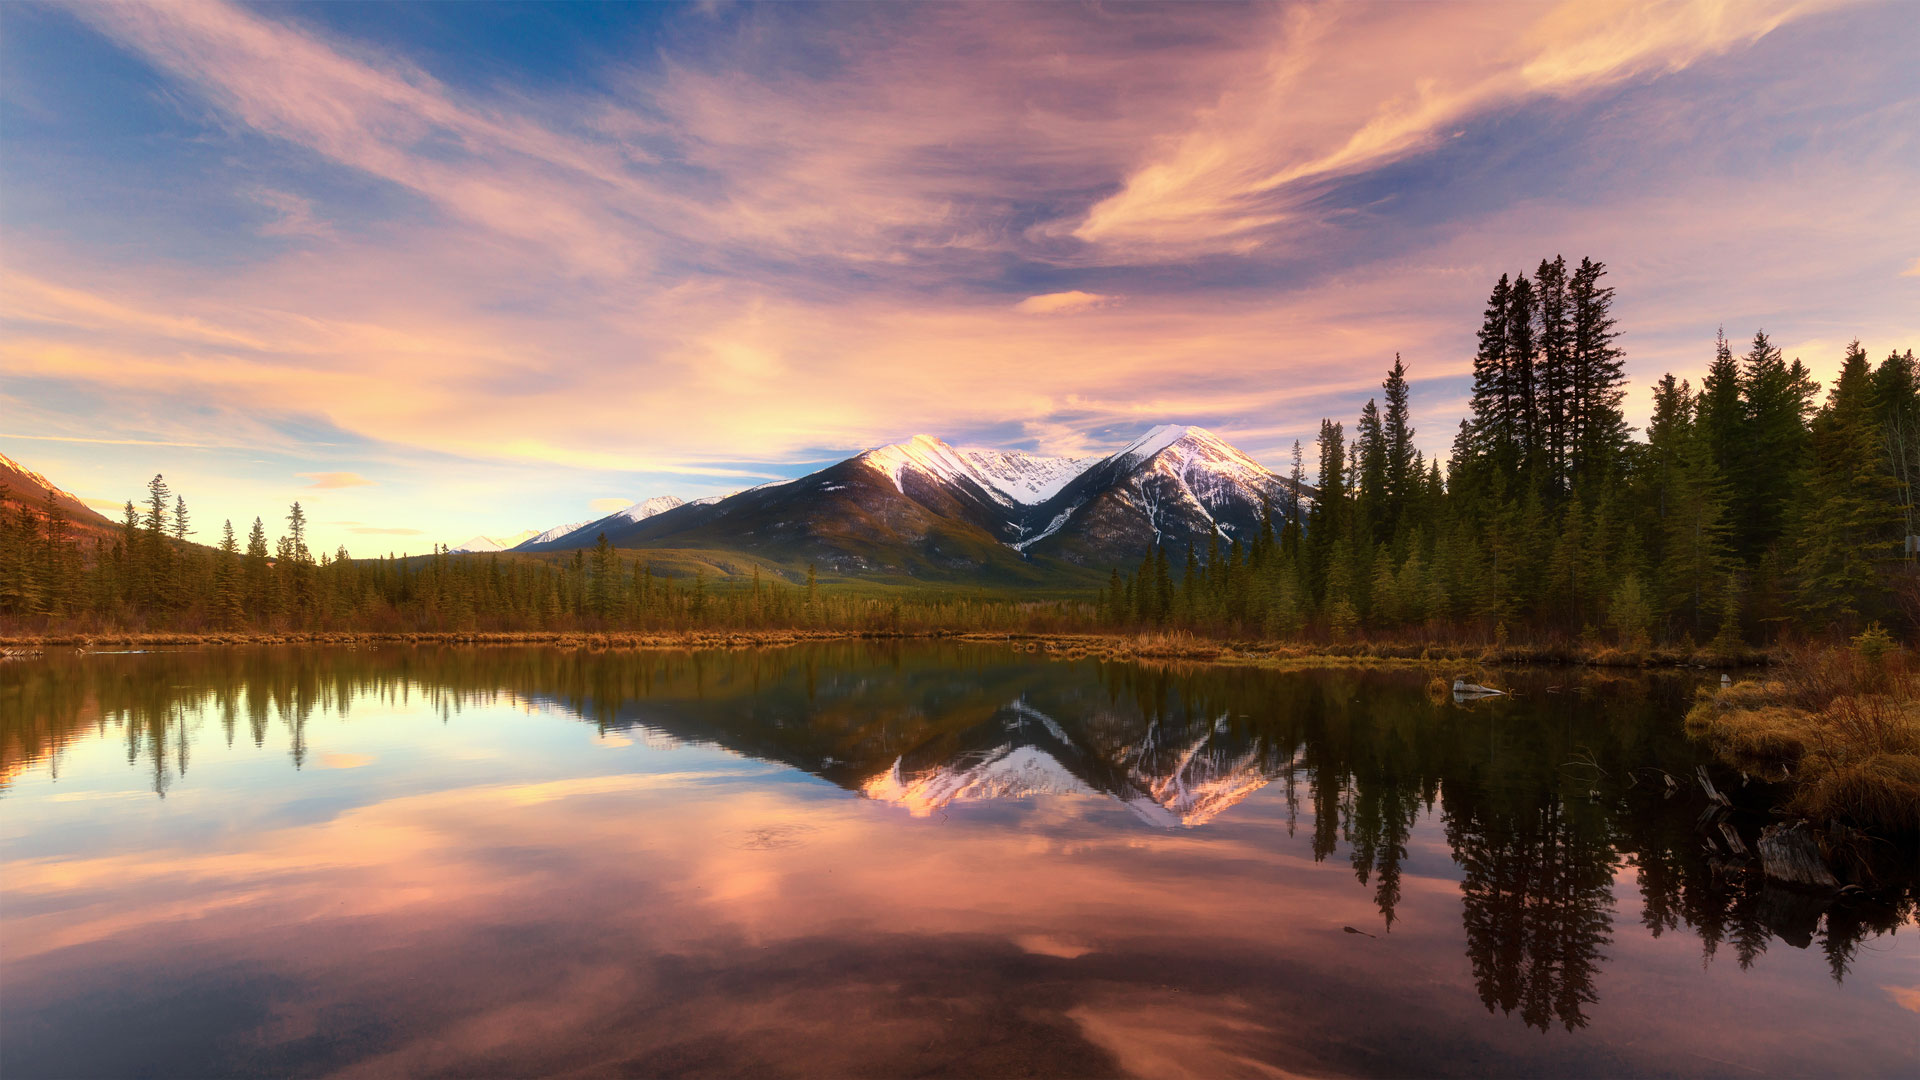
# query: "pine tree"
[[257, 576], [1777, 400], [1370, 483], [1489, 437], [1848, 518], [1554, 376], [1325, 526], [1402, 464], [160, 579], [1522, 358], [1599, 428], [228, 586]]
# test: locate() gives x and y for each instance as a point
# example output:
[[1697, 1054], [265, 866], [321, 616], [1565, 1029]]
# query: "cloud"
[[804, 231], [1062, 302], [608, 506], [1912, 271], [105, 442], [332, 481], [295, 215], [1346, 88]]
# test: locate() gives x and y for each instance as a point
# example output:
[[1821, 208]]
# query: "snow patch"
[[645, 509], [481, 545], [1012, 477]]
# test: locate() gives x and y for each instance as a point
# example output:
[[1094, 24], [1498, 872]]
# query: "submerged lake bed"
[[893, 858]]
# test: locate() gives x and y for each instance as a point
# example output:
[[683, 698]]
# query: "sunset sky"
[[446, 269]]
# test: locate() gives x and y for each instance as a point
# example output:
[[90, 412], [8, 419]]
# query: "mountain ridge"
[[925, 508]]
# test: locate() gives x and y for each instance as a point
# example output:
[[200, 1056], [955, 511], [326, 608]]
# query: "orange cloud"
[[331, 481], [1062, 302]]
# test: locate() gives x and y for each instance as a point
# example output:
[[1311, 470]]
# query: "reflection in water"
[[1537, 842]]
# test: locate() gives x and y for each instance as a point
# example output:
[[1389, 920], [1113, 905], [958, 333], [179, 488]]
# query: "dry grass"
[[1841, 725], [689, 639]]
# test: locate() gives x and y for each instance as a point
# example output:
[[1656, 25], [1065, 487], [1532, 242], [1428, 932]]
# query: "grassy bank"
[[1175, 645], [1179, 645], [1841, 725]]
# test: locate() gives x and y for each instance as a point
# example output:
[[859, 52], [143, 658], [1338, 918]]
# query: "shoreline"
[[1119, 647]]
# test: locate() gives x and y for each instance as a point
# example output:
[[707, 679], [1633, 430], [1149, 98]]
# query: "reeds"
[[1842, 725]]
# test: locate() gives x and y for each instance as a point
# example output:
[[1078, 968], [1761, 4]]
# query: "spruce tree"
[[1522, 357], [1554, 375], [1848, 520], [1599, 430], [1402, 467], [1777, 400], [1489, 435]]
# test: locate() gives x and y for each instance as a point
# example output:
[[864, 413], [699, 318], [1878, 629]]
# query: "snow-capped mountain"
[[562, 537], [1012, 477], [1022, 753], [481, 545], [924, 508], [556, 533], [1175, 485], [646, 508]]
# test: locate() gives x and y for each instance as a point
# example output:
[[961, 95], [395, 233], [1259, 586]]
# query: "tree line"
[[1753, 508], [149, 576]]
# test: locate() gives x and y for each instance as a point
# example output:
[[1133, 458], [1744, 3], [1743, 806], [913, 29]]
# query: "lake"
[[889, 859]]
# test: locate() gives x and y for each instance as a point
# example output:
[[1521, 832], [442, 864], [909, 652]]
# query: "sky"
[[439, 270]]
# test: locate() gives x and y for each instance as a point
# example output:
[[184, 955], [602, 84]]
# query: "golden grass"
[[1842, 727]]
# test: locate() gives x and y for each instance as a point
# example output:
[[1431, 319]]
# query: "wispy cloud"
[[104, 442], [1062, 302], [800, 231], [333, 481]]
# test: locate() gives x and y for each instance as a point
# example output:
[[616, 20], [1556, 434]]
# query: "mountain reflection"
[[1538, 841]]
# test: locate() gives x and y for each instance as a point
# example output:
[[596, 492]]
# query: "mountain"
[[481, 545], [1174, 486], [20, 486], [1187, 780], [587, 532], [923, 508]]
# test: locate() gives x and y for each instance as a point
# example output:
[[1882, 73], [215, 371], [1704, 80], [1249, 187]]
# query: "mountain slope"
[[925, 509], [20, 486], [1174, 485]]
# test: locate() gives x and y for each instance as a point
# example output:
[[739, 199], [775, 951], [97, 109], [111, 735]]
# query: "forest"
[[1754, 509]]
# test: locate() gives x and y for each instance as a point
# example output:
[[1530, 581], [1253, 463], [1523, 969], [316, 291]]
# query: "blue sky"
[[447, 269]]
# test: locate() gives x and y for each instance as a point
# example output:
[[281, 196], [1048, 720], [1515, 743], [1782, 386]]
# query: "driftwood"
[[1791, 854], [1464, 689], [1713, 793]]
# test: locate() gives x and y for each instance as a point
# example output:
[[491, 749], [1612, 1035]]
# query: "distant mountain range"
[[925, 509]]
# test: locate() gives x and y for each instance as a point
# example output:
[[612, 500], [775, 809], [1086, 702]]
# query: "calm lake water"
[[891, 860]]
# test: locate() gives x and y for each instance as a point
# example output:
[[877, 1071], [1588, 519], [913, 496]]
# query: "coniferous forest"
[[1756, 507]]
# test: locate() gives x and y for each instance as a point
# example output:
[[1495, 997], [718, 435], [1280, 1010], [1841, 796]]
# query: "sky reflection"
[[502, 888]]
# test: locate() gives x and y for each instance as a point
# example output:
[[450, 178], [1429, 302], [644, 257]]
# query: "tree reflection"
[[1365, 755]]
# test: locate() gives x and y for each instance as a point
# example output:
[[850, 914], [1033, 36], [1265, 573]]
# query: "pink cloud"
[[1061, 303], [333, 481]]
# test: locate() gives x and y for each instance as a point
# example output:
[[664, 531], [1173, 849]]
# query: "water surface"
[[887, 860]]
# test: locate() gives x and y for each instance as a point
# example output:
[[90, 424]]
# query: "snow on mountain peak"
[[558, 531], [646, 508], [922, 453], [1027, 479], [481, 545], [1014, 477]]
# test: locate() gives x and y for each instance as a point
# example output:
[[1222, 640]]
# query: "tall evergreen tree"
[[1554, 375], [1599, 428], [1402, 468], [1522, 358]]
